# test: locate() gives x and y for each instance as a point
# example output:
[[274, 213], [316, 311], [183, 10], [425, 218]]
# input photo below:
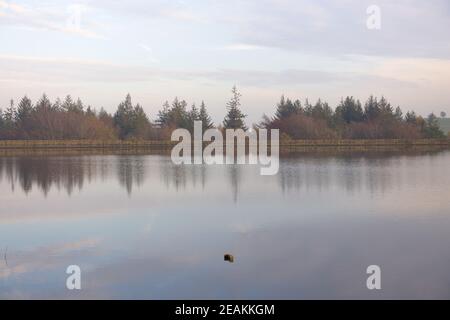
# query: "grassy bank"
[[154, 144], [364, 143], [85, 144]]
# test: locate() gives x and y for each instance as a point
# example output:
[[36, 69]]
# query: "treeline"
[[377, 119], [71, 119], [45, 120]]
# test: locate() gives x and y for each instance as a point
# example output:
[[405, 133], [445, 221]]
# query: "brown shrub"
[[299, 126]]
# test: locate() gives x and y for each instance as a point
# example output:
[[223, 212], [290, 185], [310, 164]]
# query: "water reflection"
[[234, 173], [67, 173], [130, 171], [141, 227], [376, 172]]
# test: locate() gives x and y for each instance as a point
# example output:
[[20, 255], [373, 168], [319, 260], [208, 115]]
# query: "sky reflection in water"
[[141, 227]]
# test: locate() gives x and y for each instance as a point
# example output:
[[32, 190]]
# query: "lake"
[[139, 226]]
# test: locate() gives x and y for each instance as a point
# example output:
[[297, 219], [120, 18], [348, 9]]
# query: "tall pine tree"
[[192, 116], [234, 118], [123, 118], [286, 108], [23, 117], [205, 118]]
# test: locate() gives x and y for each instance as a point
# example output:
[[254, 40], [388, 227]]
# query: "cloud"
[[183, 15], [409, 28], [154, 9], [59, 19], [150, 54], [20, 68], [241, 47], [45, 258]]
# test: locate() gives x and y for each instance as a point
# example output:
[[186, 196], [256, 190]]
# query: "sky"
[[197, 50]]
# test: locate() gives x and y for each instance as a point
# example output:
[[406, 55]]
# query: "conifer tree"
[[192, 116], [123, 118], [23, 117], [205, 118], [350, 110], [411, 117], [398, 114], [432, 129], [371, 109], [286, 108], [234, 118]]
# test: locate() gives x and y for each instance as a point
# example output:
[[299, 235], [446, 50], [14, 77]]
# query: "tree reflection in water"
[[376, 171]]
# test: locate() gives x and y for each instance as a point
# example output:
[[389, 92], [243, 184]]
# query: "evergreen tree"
[[131, 122], [8, 122], [234, 118], [193, 115], [308, 108], [174, 115], [398, 114], [350, 110], [57, 106], [322, 110], [44, 104], [205, 118], [10, 114], [105, 117], [285, 108], [432, 129], [371, 109], [298, 106], [1, 122], [411, 117], [163, 115], [385, 107], [141, 125], [68, 105], [43, 118], [23, 117], [79, 107], [123, 118], [90, 112], [24, 109], [178, 116]]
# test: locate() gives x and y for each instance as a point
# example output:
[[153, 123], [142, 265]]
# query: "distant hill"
[[444, 123]]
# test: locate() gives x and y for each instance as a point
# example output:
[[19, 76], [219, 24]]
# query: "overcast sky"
[[197, 50]]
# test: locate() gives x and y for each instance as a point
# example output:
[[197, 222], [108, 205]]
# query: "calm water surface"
[[141, 227]]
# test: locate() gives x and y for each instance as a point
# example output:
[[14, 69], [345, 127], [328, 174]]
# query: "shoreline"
[[10, 148], [162, 145]]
